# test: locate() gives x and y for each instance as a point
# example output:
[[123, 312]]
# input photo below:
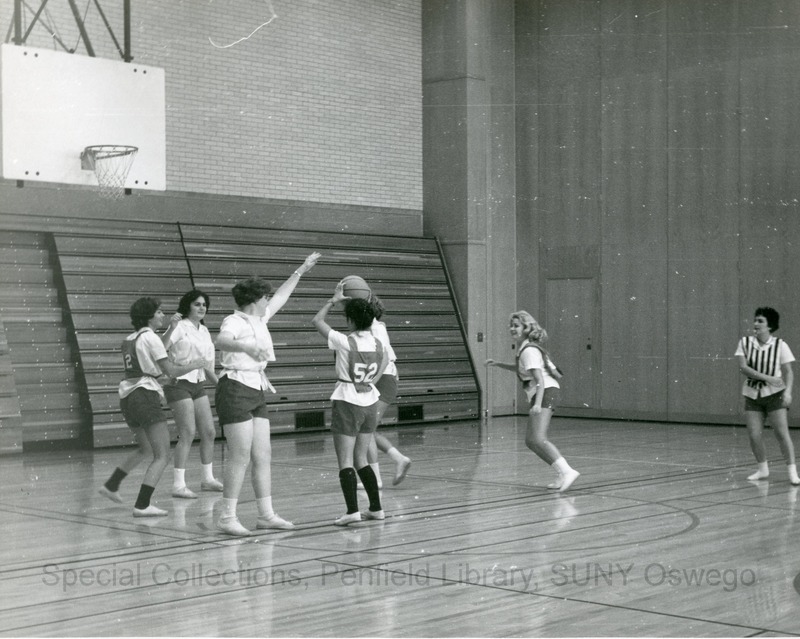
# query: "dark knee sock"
[[370, 482], [143, 500], [347, 480], [115, 480]]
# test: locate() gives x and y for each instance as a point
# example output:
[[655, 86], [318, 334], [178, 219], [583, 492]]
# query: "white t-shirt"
[[149, 349], [378, 329], [240, 366], [187, 343], [365, 341], [531, 357]]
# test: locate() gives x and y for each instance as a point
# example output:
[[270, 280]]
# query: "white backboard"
[[55, 104]]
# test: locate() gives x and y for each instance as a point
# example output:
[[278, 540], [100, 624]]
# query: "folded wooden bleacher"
[[105, 268], [436, 377], [107, 265], [42, 393]]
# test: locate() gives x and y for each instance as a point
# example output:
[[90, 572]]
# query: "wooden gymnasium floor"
[[661, 536]]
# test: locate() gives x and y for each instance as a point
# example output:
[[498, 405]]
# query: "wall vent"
[[410, 413], [312, 419]]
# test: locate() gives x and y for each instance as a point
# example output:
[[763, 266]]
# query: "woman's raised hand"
[[338, 294], [309, 262]]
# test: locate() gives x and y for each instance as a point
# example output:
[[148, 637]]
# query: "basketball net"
[[111, 164]]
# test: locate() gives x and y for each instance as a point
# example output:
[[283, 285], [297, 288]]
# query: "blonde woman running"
[[539, 377]]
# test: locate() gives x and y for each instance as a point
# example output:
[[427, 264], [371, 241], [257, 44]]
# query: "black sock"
[[143, 500], [349, 484], [115, 480], [370, 482]]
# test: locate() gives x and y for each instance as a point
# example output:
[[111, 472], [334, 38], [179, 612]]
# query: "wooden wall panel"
[[698, 217], [569, 139], [770, 166], [634, 228], [528, 224], [526, 154], [499, 224], [703, 175], [634, 337]]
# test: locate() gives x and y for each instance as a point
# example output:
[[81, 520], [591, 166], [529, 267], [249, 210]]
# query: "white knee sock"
[[208, 474], [792, 468]]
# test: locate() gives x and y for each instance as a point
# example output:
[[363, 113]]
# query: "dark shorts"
[[142, 408], [765, 405], [550, 400], [349, 419], [237, 402], [184, 389], [387, 387]]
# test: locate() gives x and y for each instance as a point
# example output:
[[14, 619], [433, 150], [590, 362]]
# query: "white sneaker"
[[567, 479], [183, 493], [758, 475], [211, 485], [150, 511], [349, 518], [232, 526], [276, 522], [401, 470], [113, 495], [374, 514]]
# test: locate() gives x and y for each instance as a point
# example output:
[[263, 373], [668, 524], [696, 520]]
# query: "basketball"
[[356, 287]]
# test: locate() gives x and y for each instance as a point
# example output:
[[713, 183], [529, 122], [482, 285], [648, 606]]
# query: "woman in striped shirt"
[[766, 363]]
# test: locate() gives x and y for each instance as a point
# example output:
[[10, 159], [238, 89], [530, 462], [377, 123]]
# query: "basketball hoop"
[[111, 164]]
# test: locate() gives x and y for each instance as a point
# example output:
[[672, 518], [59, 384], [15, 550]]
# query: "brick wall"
[[323, 104]]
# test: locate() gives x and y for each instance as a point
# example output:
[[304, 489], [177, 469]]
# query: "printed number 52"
[[364, 373]]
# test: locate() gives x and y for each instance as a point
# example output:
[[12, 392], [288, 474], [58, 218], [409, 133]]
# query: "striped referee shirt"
[[767, 359]]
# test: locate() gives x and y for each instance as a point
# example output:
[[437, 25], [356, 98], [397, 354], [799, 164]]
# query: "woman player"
[[188, 338], [246, 347], [146, 364], [359, 360], [538, 375], [387, 387], [766, 363]]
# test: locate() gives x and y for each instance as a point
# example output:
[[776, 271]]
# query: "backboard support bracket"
[[21, 38]]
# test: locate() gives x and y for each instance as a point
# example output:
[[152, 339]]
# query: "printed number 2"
[[364, 373], [128, 361]]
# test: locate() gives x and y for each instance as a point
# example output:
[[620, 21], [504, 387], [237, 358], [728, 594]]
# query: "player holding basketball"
[[359, 360], [188, 338], [766, 363], [539, 376], [387, 387], [246, 346], [146, 364]]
